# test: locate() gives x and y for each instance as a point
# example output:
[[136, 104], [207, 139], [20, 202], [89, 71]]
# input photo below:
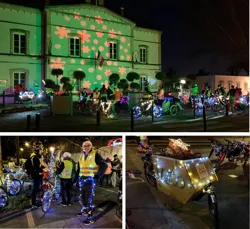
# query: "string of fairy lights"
[[172, 176]]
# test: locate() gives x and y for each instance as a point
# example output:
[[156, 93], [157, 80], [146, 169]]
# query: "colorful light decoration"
[[27, 95], [136, 112], [124, 99], [83, 182], [157, 111], [104, 104]]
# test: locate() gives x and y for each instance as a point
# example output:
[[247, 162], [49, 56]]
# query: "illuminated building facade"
[[71, 39]]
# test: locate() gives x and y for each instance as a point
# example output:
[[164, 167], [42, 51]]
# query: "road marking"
[[107, 189], [30, 219], [233, 176]]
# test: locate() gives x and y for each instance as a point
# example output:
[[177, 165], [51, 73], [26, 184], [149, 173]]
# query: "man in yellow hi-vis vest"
[[91, 167], [66, 171]]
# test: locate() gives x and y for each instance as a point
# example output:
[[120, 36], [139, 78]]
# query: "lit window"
[[74, 49], [19, 43], [19, 78], [113, 50], [143, 55]]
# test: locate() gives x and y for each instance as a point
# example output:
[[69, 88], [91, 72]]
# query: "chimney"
[[122, 11]]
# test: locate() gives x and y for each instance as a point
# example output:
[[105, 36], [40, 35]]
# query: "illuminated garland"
[[136, 112], [157, 111], [27, 95], [103, 105], [90, 205], [170, 176], [124, 99]]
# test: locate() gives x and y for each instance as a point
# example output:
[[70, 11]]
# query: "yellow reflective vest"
[[67, 171], [88, 167]]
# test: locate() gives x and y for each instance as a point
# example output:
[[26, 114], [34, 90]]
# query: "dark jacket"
[[37, 168]]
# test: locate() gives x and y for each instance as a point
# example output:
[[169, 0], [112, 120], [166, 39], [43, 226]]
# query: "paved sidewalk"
[[66, 217]]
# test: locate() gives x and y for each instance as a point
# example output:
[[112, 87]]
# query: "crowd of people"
[[90, 170]]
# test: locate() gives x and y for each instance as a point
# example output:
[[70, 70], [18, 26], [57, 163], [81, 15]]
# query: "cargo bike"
[[185, 178]]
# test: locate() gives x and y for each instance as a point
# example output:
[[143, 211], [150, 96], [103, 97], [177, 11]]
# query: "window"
[[74, 49], [19, 78], [19, 43], [113, 50], [143, 55], [142, 82]]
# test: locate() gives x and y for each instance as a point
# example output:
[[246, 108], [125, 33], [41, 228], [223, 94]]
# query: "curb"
[[12, 215], [11, 110]]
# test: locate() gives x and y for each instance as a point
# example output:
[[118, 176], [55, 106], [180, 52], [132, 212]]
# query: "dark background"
[[197, 34]]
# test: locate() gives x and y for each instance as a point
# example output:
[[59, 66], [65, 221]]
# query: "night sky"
[[190, 40]]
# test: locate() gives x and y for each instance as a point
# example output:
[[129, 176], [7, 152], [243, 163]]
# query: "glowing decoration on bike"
[[104, 104], [136, 112], [124, 99], [157, 111]]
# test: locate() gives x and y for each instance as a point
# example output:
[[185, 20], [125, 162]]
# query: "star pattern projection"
[[57, 63], [122, 70], [98, 33], [99, 19], [84, 35], [62, 32]]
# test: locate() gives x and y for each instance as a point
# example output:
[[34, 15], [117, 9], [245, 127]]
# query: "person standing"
[[115, 170], [231, 94], [37, 171], [90, 168], [66, 171], [103, 93], [107, 174]]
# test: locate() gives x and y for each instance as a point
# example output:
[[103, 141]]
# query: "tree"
[[160, 75], [171, 80], [79, 76], [67, 87], [114, 79], [123, 84], [17, 149], [56, 72], [131, 76], [202, 72]]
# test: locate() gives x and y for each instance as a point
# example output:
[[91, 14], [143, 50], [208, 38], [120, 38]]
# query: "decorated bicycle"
[[182, 174]]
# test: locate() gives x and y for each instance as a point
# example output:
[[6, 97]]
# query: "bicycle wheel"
[[157, 111], [213, 208], [14, 187], [173, 110], [3, 198], [28, 187], [149, 174], [46, 200], [136, 112]]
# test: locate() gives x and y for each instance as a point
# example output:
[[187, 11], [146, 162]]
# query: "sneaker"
[[88, 221], [69, 205], [63, 204], [84, 213]]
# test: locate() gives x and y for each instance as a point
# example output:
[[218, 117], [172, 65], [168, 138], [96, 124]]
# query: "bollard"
[[38, 119], [132, 120], [28, 123], [204, 118], [227, 108], [152, 112], [3, 98], [194, 112], [98, 118]]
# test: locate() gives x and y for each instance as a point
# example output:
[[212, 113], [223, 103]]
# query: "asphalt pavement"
[[147, 204], [66, 217], [183, 122]]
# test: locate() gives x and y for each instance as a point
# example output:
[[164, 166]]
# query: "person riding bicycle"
[[66, 171], [144, 145], [221, 93], [160, 95], [95, 96], [90, 168], [147, 89]]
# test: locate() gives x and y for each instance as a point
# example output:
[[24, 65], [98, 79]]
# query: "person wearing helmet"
[[66, 171], [144, 144]]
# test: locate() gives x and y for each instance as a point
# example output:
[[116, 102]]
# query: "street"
[[183, 122], [66, 217], [147, 204]]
